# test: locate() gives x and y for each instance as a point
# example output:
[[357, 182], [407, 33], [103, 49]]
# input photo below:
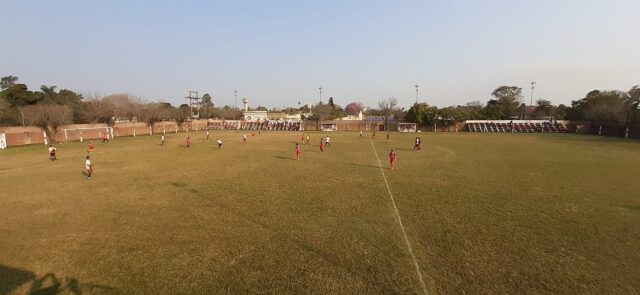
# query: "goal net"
[[87, 133], [407, 127], [329, 127]]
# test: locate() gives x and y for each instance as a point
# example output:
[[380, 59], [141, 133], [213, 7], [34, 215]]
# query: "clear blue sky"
[[280, 52]]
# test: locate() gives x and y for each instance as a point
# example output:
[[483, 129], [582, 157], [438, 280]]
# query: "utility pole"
[[235, 94], [194, 101], [320, 88], [417, 93]]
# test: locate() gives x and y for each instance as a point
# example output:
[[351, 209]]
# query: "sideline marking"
[[404, 233]]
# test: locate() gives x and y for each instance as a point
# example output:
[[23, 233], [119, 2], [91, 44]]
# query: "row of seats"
[[544, 127], [266, 125], [223, 125], [272, 126]]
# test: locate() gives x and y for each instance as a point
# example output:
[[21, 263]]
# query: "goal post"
[[407, 127], [329, 127], [87, 133], [3, 141]]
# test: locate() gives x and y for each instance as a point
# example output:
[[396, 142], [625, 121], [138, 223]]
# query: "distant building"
[[358, 117], [255, 116]]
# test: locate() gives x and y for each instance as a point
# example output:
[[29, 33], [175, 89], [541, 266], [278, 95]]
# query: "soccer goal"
[[87, 133], [407, 127], [3, 141], [329, 127]]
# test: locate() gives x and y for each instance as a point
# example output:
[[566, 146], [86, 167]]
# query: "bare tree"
[[387, 107], [182, 114], [48, 117], [100, 111], [125, 105], [149, 113]]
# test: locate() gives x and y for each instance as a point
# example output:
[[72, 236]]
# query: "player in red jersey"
[[321, 145], [91, 148], [392, 159], [298, 151], [188, 141]]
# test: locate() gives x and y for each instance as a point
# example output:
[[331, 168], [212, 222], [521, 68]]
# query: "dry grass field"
[[483, 214]]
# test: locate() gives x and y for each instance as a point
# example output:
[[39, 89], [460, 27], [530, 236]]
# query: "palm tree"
[[49, 92]]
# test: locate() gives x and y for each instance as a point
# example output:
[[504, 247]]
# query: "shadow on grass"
[[284, 158], [25, 282], [367, 165], [185, 186], [312, 151]]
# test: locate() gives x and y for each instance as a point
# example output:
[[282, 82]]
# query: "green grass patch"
[[485, 213]]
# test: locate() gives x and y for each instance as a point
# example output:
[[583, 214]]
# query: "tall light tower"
[[533, 86], [417, 86], [320, 88], [194, 104], [235, 94]]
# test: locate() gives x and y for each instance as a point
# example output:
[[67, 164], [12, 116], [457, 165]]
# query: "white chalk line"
[[404, 233]]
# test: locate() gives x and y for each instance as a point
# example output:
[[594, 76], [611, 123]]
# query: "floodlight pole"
[[533, 86], [417, 86], [235, 94], [320, 88]]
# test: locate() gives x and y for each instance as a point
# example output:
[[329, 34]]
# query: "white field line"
[[404, 233], [20, 168]]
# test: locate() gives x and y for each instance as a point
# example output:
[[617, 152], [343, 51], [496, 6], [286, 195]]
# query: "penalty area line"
[[404, 233]]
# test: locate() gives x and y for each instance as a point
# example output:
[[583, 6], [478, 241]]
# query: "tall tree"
[[49, 93], [507, 98], [7, 114], [182, 114], [471, 111], [124, 105], [7, 81], [19, 95], [387, 107], [207, 106], [633, 105], [600, 107], [48, 117], [492, 111], [100, 111], [354, 108], [149, 113], [418, 114], [560, 111], [543, 108]]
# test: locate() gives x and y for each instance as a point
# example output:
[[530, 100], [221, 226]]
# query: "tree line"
[[610, 107], [50, 107]]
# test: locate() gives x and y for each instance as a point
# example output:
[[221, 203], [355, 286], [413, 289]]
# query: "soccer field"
[[481, 214]]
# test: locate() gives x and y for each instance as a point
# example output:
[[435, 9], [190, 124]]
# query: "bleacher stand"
[[263, 125], [516, 126]]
